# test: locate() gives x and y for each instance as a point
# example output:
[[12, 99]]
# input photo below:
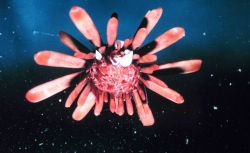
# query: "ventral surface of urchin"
[[114, 73]]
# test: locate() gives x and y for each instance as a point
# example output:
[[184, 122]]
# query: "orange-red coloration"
[[114, 79], [115, 73]]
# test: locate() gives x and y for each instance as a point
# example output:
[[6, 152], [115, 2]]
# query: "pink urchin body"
[[117, 73]]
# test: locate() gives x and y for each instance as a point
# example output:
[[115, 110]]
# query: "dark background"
[[213, 119]]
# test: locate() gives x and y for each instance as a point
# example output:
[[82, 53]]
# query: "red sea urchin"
[[116, 73]]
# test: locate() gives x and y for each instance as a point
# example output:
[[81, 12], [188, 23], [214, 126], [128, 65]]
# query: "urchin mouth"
[[116, 54]]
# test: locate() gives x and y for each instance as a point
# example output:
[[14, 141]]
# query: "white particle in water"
[[239, 70], [204, 33], [215, 107], [211, 75], [34, 32], [186, 141], [230, 84], [40, 144], [60, 100]]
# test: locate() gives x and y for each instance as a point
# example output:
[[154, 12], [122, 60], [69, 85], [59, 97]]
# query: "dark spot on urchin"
[[170, 71], [115, 15], [142, 65], [146, 49], [144, 76], [144, 23], [78, 78], [77, 43]]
